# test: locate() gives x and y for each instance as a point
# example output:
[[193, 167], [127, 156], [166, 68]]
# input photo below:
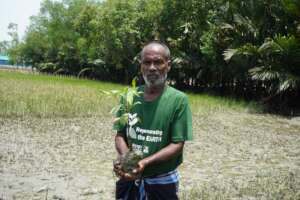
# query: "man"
[[158, 128]]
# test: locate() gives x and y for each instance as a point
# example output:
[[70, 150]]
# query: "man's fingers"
[[128, 176], [118, 172], [118, 167], [136, 171], [116, 162]]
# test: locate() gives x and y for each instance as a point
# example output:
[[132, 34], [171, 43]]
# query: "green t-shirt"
[[154, 125]]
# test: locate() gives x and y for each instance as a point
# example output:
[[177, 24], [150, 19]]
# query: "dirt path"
[[59, 158]]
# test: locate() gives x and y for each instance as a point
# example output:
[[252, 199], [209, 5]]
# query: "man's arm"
[[121, 145], [164, 154], [122, 149]]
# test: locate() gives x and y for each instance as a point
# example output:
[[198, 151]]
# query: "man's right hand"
[[117, 167], [122, 175]]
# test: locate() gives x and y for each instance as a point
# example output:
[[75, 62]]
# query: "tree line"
[[244, 48]]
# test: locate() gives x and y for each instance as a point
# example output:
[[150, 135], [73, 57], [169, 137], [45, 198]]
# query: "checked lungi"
[[158, 187]]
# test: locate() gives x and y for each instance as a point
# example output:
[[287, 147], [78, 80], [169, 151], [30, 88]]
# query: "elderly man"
[[164, 124]]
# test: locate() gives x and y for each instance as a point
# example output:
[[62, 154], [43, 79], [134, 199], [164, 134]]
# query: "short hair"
[[157, 42]]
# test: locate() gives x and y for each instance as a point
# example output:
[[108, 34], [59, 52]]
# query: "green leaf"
[[229, 53], [115, 92], [84, 70], [129, 98], [98, 62], [227, 26], [133, 82], [124, 119], [269, 47], [264, 73], [137, 103], [105, 92], [115, 109]]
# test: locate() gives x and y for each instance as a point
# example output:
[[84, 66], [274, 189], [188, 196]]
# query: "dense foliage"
[[249, 49]]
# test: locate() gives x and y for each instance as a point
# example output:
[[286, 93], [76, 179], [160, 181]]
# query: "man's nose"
[[152, 67]]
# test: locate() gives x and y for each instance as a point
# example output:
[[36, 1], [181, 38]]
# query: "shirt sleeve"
[[181, 126]]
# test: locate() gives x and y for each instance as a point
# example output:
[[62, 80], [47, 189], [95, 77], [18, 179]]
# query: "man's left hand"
[[140, 168]]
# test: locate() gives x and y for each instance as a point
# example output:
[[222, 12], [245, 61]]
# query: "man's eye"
[[155, 63], [158, 62], [147, 63]]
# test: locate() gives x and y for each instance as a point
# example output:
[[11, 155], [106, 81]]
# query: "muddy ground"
[[71, 158]]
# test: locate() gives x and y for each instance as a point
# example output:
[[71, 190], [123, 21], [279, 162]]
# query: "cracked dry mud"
[[71, 158]]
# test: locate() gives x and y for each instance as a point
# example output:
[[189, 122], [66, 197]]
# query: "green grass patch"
[[45, 95], [48, 95], [204, 103]]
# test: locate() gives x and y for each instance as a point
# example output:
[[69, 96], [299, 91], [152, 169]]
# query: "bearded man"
[[164, 124]]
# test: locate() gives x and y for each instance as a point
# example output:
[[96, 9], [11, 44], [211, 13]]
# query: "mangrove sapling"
[[128, 161]]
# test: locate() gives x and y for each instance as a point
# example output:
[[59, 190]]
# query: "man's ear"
[[169, 65], [141, 70]]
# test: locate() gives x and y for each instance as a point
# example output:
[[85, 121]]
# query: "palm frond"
[[58, 71], [288, 44], [84, 70], [249, 50], [270, 47], [98, 62], [245, 22], [289, 81], [227, 26], [264, 73], [229, 53], [246, 50]]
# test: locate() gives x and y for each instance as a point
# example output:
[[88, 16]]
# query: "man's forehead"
[[154, 46], [153, 53], [154, 49]]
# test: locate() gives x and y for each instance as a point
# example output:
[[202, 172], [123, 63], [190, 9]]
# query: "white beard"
[[160, 81]]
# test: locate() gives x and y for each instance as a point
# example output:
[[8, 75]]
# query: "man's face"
[[155, 65]]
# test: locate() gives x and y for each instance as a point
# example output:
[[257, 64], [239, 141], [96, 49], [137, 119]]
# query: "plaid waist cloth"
[[140, 188]]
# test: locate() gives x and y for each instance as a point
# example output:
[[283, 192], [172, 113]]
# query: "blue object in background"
[[4, 60]]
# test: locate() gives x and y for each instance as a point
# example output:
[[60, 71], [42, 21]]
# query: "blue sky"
[[16, 11]]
